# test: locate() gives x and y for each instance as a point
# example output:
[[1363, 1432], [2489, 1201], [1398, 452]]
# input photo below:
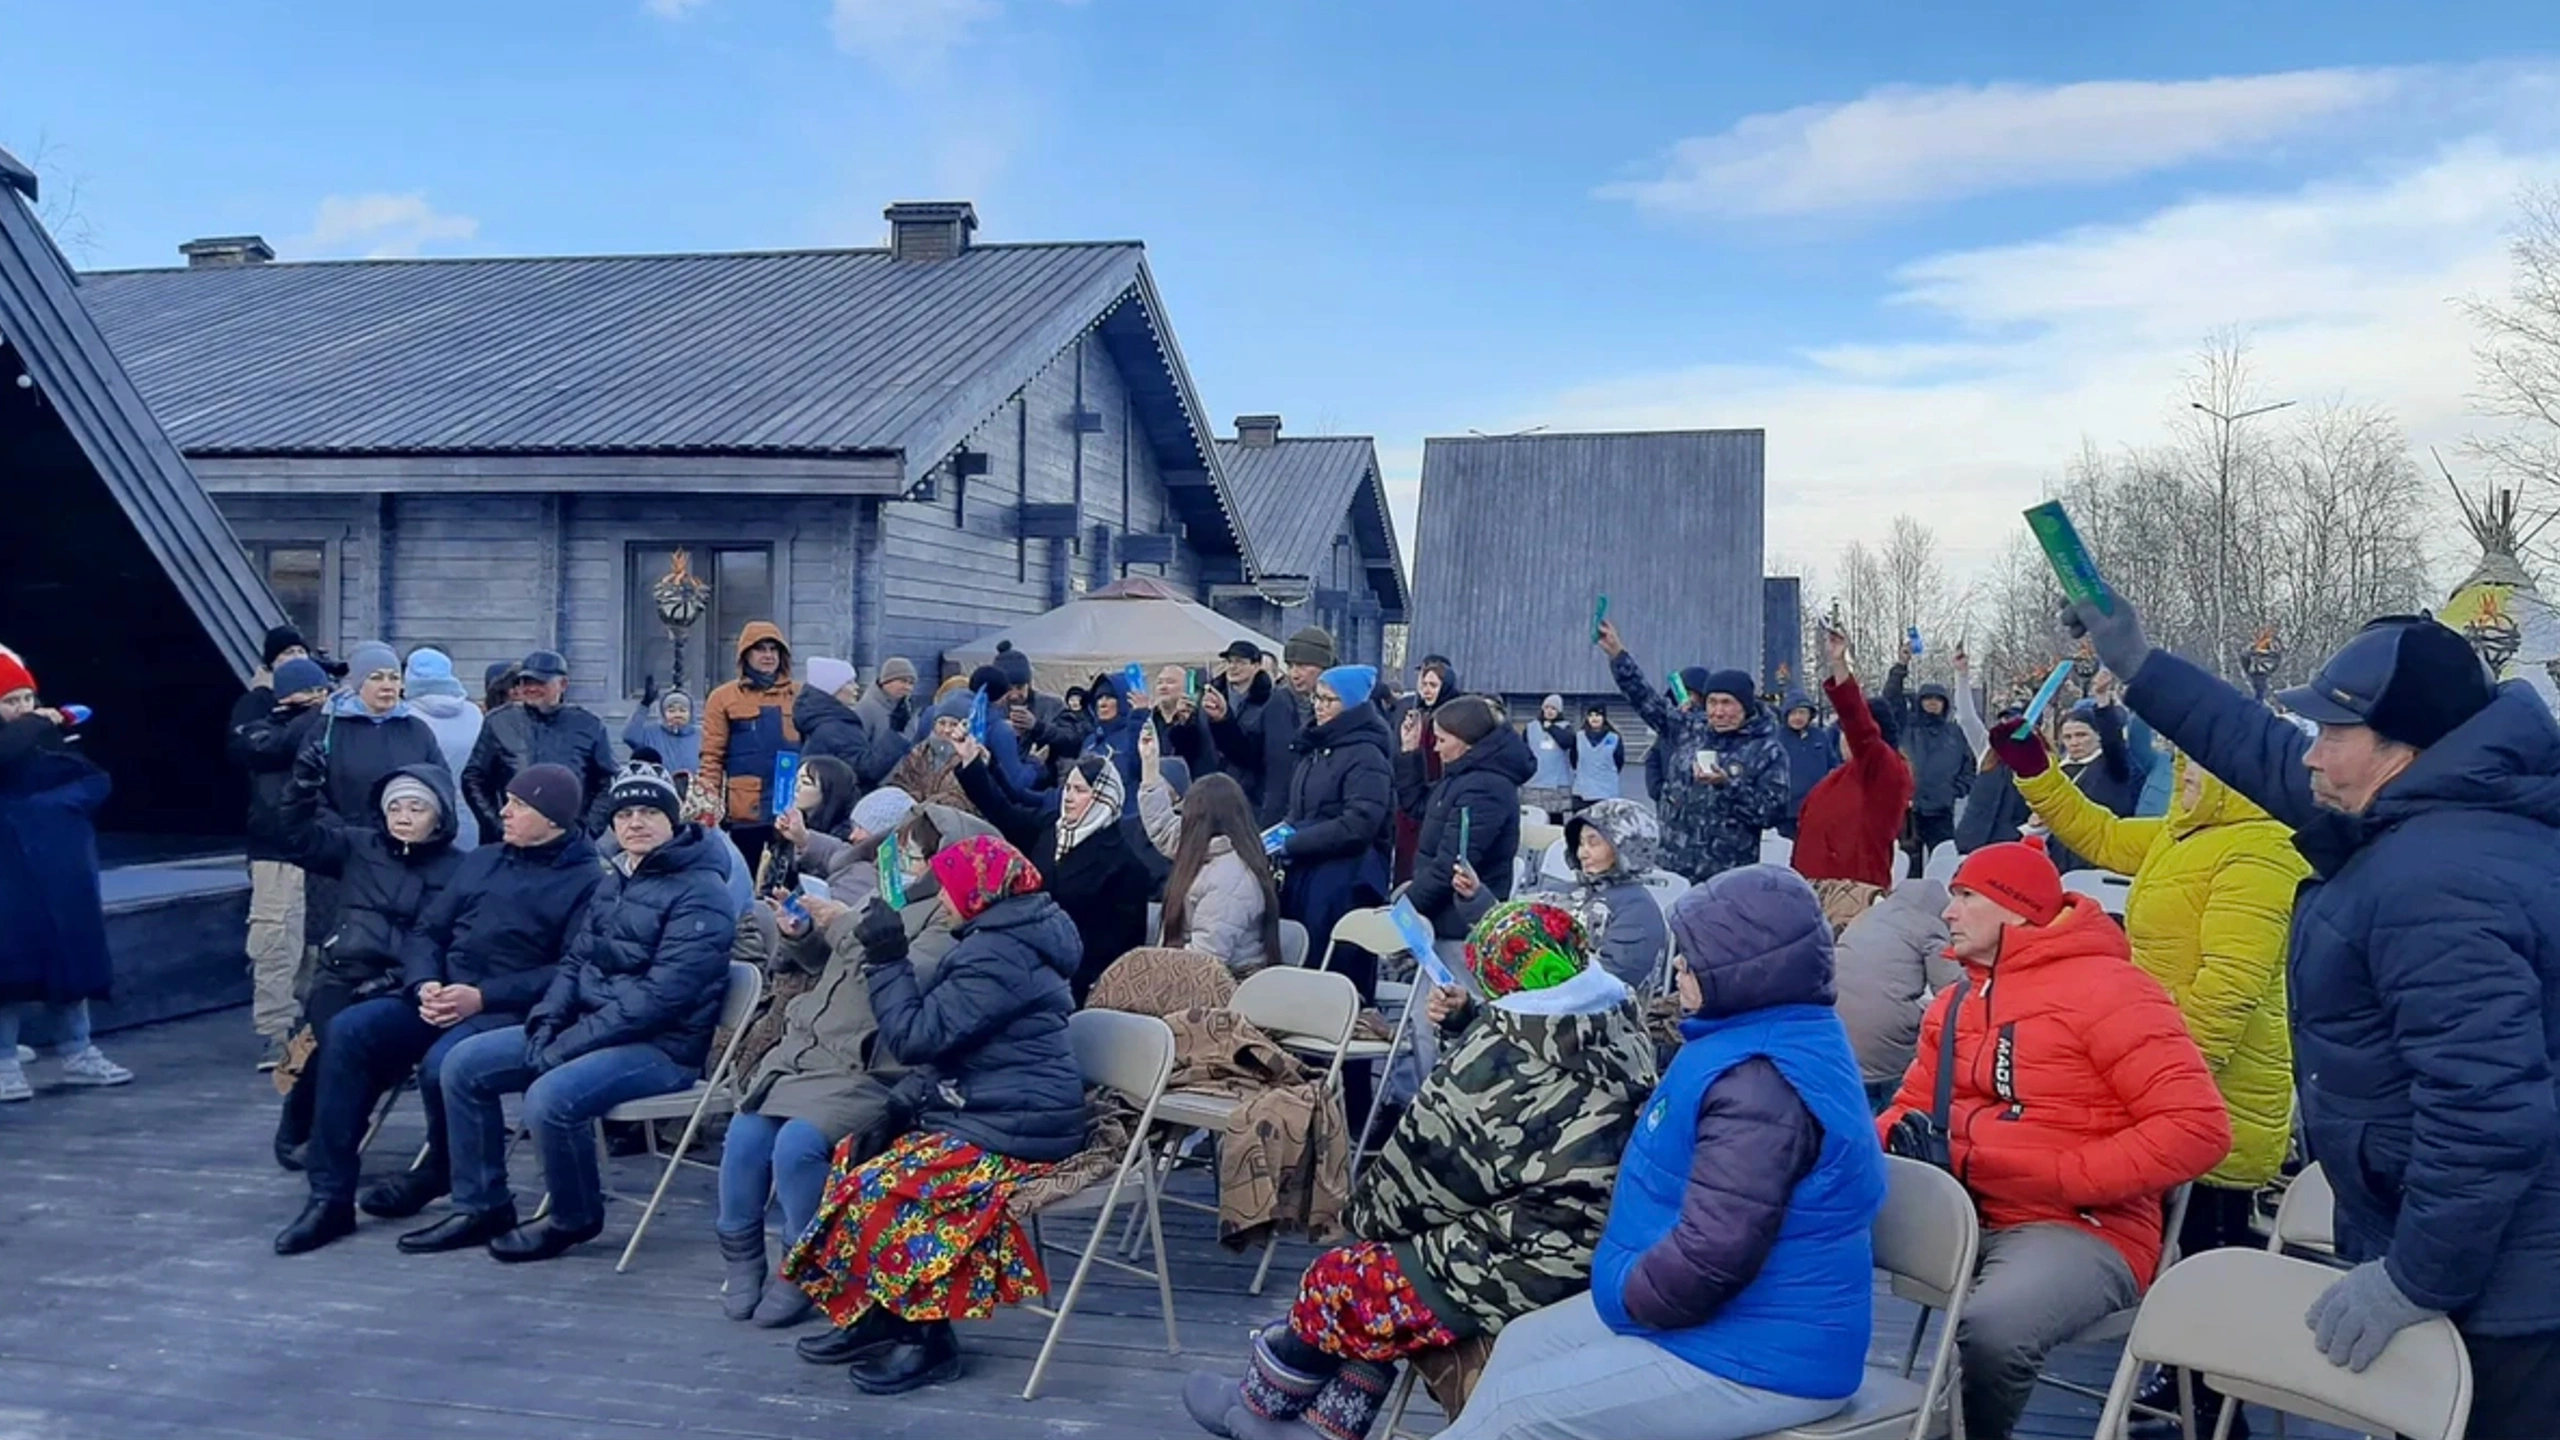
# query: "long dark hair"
[[838, 789], [1217, 807]]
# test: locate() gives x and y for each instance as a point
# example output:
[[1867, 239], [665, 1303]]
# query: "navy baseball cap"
[[2409, 677], [544, 665]]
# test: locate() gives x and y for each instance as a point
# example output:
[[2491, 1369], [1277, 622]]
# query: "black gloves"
[[883, 935], [1917, 1137]]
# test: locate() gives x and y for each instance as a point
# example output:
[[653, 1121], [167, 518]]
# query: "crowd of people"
[[1632, 1194]]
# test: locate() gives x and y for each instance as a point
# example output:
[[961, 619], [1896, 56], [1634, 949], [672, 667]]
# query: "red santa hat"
[[14, 674]]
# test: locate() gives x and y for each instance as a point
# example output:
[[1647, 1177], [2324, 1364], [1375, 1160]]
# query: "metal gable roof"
[[43, 321], [843, 351], [1293, 495], [825, 352]]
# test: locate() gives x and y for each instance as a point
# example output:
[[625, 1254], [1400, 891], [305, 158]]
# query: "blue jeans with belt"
[[561, 1106], [788, 1157]]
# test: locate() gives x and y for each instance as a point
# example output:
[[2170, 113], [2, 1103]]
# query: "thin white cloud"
[[671, 9], [382, 227], [902, 34], [1904, 145], [2346, 289]]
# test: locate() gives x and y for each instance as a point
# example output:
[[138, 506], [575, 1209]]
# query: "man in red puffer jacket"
[[2076, 1103]]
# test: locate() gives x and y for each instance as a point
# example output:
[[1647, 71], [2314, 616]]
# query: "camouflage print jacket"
[[1709, 828], [1494, 1188]]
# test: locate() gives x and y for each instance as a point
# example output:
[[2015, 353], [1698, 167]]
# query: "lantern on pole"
[[682, 598]]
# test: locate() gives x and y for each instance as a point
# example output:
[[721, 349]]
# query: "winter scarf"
[[978, 872]]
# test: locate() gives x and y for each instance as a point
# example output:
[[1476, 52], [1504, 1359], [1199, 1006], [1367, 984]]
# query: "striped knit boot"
[[1349, 1403], [1273, 1388]]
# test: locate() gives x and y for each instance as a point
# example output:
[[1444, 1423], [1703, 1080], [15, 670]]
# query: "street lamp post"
[[2222, 527]]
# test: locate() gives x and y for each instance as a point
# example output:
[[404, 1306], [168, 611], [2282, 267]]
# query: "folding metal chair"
[[2235, 1318], [1375, 931], [709, 1095], [2104, 886], [2307, 1216], [1307, 1011], [1131, 1055], [1293, 944], [2116, 1327]]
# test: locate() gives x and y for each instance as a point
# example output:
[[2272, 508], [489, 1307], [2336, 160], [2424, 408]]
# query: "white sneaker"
[[89, 1067], [13, 1082], [26, 1054]]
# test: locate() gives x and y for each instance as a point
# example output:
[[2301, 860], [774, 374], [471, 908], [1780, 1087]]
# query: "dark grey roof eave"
[[43, 320]]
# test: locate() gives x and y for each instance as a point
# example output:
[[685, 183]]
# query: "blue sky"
[[1931, 248]]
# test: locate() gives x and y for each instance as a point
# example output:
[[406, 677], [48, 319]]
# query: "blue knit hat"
[[431, 673], [1353, 683]]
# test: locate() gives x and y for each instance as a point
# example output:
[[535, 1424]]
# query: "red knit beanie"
[[14, 675], [2018, 878]]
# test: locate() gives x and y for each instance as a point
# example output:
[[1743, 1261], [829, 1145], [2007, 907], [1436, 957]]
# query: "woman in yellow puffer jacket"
[[2209, 912]]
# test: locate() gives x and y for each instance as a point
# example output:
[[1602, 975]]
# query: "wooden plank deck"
[[139, 1298]]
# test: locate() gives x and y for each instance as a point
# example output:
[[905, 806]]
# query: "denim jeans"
[[372, 1047], [561, 1106], [70, 1026], [788, 1156]]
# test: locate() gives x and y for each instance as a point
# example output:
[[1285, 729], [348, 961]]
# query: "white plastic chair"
[[1293, 944], [2235, 1318], [1310, 1012], [2104, 886], [709, 1095], [1132, 1056], [1942, 862], [1536, 835]]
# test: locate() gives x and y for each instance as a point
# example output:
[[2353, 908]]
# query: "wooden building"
[[124, 591], [886, 451], [1326, 545], [1520, 535]]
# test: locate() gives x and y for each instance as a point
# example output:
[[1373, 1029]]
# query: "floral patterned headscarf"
[[1527, 945], [978, 872]]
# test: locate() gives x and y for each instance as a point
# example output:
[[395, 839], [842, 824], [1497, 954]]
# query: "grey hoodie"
[[1886, 965]]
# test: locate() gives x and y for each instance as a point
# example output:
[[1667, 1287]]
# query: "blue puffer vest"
[[1595, 771], [1801, 1326]]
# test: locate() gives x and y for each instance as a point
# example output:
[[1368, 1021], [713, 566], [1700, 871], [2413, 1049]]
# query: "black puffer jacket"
[[345, 756], [991, 1024], [1343, 791], [1942, 765], [1257, 744], [503, 922], [1483, 784], [828, 726], [648, 962], [385, 888], [264, 742], [1103, 884], [515, 738]]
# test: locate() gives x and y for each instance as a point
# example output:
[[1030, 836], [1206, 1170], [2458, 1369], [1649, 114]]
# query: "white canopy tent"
[[1140, 620]]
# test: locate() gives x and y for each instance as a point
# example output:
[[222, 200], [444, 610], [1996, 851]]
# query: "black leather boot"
[[547, 1241], [874, 1328], [461, 1230], [927, 1354], [404, 1195], [320, 1222]]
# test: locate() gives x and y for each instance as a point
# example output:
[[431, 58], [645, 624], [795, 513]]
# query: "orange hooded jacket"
[[745, 728]]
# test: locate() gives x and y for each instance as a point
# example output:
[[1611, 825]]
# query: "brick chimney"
[[926, 230], [1258, 432], [221, 250]]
